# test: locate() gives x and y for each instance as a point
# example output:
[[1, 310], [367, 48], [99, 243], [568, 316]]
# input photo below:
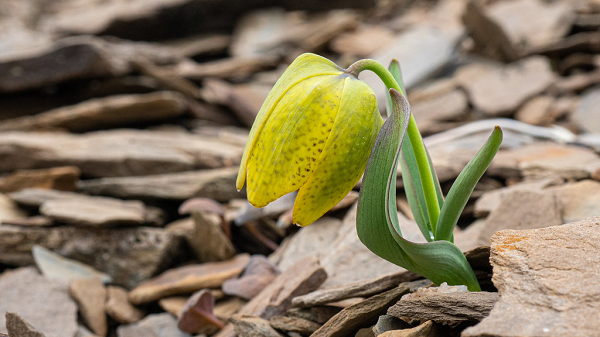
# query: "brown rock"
[[364, 41], [253, 326], [128, 255], [363, 288], [294, 324], [119, 308], [9, 210], [427, 329], [585, 114], [209, 242], [545, 281], [231, 68], [188, 279], [536, 111], [224, 309], [258, 274], [318, 314], [444, 304], [116, 152], [17, 326], [448, 106], [197, 315], [32, 221], [387, 323], [54, 313], [363, 313], [499, 91], [218, 184], [101, 113], [90, 296], [579, 200], [173, 305], [58, 178], [155, 325], [522, 210]]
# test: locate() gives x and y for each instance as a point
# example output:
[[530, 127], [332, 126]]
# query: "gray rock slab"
[[217, 184], [54, 312], [115, 153], [586, 115], [546, 283], [128, 255], [578, 200]]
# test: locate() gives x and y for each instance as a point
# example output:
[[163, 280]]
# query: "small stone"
[[90, 295], [536, 111], [17, 326], [217, 184], [155, 325], [364, 41], [318, 314], [387, 323], [54, 312], [449, 106], [173, 305], [364, 313], [119, 308], [585, 115], [499, 91], [545, 282], [224, 309], [197, 315], [253, 326], [188, 279], [258, 274], [445, 304], [578, 200], [522, 210], [294, 324], [58, 178], [9, 210], [427, 329], [208, 241], [54, 266]]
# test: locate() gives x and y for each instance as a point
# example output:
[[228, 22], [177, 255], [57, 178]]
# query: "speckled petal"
[[345, 155], [304, 67], [293, 138]]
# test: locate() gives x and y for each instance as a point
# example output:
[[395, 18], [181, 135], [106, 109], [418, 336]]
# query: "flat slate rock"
[[586, 114], [90, 295], [217, 184], [56, 178], [17, 326], [119, 308], [188, 279], [54, 266], [9, 210], [116, 153], [448, 307], [155, 325], [545, 282], [129, 255], [578, 200], [294, 324], [253, 326], [54, 312]]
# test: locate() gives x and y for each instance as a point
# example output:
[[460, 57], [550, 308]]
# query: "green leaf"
[[377, 222], [465, 183]]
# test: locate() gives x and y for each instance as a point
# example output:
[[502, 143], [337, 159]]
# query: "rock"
[[155, 325], [364, 288], [53, 266], [309, 241], [469, 237], [387, 323], [17, 326], [84, 332], [545, 282], [119, 308], [514, 28], [32, 221], [294, 324], [536, 111], [449, 106], [78, 209], [364, 313], [54, 313], [578, 200], [427, 329], [128, 255], [522, 210], [116, 152], [173, 305], [197, 317], [364, 41], [218, 184], [244, 100], [90, 296], [489, 201], [585, 114], [101, 113], [188, 279], [9, 210], [209, 242], [58, 178], [450, 304], [318, 314], [546, 159], [258, 274], [226, 308], [235, 68], [253, 326], [499, 91]]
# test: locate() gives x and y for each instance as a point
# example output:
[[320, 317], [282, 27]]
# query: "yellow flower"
[[314, 133]]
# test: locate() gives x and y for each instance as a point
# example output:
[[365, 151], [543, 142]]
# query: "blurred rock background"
[[122, 124]]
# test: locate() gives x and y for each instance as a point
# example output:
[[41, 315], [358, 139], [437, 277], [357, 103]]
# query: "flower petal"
[[292, 139], [345, 156], [304, 66]]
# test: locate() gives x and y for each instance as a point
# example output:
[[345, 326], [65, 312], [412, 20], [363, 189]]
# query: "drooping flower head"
[[314, 133]]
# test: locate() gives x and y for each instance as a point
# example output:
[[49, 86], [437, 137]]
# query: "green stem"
[[427, 176]]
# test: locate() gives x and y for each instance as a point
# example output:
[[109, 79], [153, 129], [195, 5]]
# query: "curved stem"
[[427, 176]]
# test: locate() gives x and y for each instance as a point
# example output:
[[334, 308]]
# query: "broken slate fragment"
[[56, 178], [54, 266], [253, 326], [90, 296], [119, 308], [155, 325], [294, 324], [17, 326], [197, 315], [258, 274], [545, 281]]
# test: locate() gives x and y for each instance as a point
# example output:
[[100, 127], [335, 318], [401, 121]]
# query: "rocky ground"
[[122, 124]]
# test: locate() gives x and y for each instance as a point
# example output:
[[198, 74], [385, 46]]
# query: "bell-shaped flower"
[[314, 133]]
